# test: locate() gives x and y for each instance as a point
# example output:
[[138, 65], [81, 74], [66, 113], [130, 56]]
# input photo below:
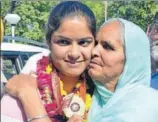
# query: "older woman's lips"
[[94, 63]]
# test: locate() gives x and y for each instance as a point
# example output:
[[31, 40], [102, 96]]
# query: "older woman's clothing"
[[133, 99]]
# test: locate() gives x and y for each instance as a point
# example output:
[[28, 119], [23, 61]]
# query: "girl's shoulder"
[[30, 65]]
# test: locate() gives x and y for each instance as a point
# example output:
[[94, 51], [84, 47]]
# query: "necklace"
[[58, 103]]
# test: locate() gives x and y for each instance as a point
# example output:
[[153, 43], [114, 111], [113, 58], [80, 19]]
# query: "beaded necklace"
[[58, 104]]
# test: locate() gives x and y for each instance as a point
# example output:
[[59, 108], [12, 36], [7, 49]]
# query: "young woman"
[[61, 81]]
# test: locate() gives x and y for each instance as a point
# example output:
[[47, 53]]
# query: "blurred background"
[[34, 14]]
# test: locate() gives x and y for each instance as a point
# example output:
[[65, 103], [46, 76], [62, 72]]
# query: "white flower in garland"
[[76, 107]]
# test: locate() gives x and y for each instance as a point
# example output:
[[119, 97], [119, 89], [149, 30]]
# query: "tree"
[[34, 14], [98, 9], [139, 12]]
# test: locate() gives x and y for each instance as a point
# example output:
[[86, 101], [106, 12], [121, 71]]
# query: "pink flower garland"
[[49, 87], [45, 85]]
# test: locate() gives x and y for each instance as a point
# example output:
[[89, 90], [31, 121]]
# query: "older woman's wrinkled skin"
[[108, 55]]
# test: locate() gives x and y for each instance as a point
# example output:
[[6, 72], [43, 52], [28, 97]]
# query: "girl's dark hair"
[[69, 9], [90, 83]]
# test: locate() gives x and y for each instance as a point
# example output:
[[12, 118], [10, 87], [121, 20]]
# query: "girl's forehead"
[[74, 28]]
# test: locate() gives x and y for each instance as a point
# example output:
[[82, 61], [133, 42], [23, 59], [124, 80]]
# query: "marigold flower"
[[88, 101], [48, 69], [63, 92]]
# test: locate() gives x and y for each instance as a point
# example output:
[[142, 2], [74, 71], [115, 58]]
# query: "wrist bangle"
[[38, 117]]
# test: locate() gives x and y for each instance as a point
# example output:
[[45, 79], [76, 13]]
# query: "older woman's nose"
[[95, 51]]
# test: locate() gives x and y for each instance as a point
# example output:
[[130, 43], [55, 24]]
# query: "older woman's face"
[[108, 56], [71, 46]]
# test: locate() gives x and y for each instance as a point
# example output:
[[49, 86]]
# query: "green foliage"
[[98, 9], [4, 7], [34, 14], [139, 12]]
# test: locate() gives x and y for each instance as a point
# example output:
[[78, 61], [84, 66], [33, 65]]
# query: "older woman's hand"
[[75, 118], [20, 85]]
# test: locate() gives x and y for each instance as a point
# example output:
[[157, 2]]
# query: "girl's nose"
[[74, 52]]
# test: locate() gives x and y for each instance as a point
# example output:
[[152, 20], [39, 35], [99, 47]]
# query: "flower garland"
[[58, 103]]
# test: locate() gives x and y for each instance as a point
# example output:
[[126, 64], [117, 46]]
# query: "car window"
[[9, 67], [13, 62]]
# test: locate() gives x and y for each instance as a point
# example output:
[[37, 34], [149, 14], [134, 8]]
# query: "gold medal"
[[75, 107]]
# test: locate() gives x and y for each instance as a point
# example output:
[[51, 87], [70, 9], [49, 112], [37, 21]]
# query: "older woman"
[[120, 67]]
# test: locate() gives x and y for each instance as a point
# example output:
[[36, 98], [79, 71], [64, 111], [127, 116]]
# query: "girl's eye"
[[107, 46], [84, 43], [63, 42]]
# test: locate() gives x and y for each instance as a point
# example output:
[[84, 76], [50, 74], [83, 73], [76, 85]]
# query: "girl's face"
[[108, 55], [71, 46]]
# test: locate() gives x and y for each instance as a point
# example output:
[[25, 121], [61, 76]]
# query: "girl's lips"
[[73, 62], [73, 65]]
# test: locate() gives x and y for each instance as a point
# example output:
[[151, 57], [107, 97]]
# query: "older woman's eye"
[[63, 42], [85, 43], [107, 46]]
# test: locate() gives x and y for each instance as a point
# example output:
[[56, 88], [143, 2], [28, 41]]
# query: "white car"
[[15, 55]]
